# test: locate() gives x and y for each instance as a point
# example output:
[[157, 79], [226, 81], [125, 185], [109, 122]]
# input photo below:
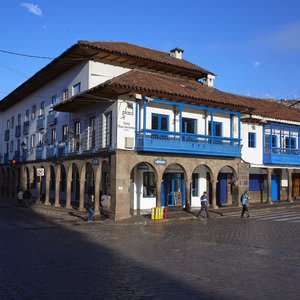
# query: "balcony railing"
[[40, 123], [26, 127], [17, 156], [24, 155], [175, 142], [286, 156], [6, 135], [51, 118], [51, 151], [39, 152], [18, 131], [62, 149]]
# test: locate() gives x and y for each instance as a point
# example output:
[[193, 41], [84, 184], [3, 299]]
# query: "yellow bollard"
[[161, 212], [156, 213], [152, 213]]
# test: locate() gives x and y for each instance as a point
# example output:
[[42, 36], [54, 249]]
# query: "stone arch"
[[143, 187], [62, 185], [173, 186], [226, 186], [202, 179], [74, 172], [52, 184], [89, 178]]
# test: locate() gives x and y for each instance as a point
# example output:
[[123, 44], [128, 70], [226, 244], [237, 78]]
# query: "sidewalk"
[[74, 216]]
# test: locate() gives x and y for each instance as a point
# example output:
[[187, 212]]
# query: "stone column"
[[269, 196], [47, 189], [213, 194], [97, 193], [188, 184], [158, 193], [290, 185], [68, 193], [57, 190], [38, 189], [81, 195]]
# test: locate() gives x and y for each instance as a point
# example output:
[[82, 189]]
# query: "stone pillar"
[[97, 193], [290, 185], [38, 189], [213, 194], [23, 178], [57, 190], [47, 189], [188, 184], [81, 195], [68, 193], [158, 193], [269, 198]]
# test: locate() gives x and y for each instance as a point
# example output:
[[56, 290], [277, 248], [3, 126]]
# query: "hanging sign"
[[40, 172]]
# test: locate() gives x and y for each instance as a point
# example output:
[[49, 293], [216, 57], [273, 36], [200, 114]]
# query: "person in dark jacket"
[[90, 208], [245, 200], [203, 200]]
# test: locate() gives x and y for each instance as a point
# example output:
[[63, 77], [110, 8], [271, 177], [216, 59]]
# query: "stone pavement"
[[51, 256]]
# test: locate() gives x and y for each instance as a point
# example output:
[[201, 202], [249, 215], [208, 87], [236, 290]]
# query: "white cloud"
[[256, 64], [286, 38], [32, 8]]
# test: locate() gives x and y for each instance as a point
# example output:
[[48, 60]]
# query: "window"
[[217, 128], [27, 115], [41, 138], [160, 122], [189, 125], [290, 142], [11, 148], [33, 112], [274, 141], [18, 145], [53, 135], [65, 133], [12, 123], [32, 141], [149, 186], [7, 124], [108, 118], [251, 139], [76, 88], [92, 133], [65, 94], [77, 135], [195, 183], [256, 182], [7, 147], [42, 109], [19, 119], [53, 100]]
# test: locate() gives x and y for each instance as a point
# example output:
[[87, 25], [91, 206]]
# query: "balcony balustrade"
[[40, 123], [285, 156], [175, 142], [39, 152], [62, 149], [26, 127], [51, 118], [6, 158], [18, 131], [6, 135]]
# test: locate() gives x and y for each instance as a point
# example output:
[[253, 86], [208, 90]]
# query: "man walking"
[[203, 199], [91, 207], [245, 200]]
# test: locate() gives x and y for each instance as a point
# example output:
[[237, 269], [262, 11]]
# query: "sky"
[[252, 46]]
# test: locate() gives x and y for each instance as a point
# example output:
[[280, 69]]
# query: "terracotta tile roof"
[[185, 90], [151, 55]]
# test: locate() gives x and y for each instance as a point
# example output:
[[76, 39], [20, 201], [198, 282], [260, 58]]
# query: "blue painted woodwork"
[[40, 123], [51, 151], [18, 131], [17, 156], [52, 117], [275, 187], [6, 158], [24, 154], [39, 153], [160, 122], [256, 182], [6, 135], [62, 149], [26, 127], [176, 142], [172, 183], [222, 188]]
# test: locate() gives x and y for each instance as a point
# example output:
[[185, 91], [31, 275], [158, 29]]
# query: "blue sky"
[[252, 46]]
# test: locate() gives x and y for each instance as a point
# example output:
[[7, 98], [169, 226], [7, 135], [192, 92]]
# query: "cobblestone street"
[[224, 257]]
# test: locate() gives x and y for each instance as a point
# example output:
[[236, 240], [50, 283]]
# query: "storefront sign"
[[160, 161]]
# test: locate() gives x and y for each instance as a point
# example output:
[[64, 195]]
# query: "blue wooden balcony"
[[175, 142], [6, 135], [51, 151], [40, 123], [39, 152], [51, 118], [18, 131], [26, 127], [24, 154], [17, 156], [284, 156], [62, 149]]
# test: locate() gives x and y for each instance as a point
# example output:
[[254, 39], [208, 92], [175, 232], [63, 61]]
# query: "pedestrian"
[[203, 200], [91, 207], [20, 198], [245, 200]]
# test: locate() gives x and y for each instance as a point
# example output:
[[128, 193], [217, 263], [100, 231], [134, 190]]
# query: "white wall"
[[252, 155]]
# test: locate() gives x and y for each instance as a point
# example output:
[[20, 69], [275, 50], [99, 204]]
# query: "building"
[[141, 128]]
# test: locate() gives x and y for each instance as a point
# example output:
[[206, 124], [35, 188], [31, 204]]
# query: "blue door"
[[222, 189], [275, 188], [173, 190]]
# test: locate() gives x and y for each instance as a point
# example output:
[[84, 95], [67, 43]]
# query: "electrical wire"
[[25, 55]]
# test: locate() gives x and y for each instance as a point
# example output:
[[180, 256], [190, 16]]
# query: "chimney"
[[209, 80], [176, 52]]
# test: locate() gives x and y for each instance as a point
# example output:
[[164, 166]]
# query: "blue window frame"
[[274, 140], [251, 139], [217, 128], [195, 178], [189, 125], [160, 122], [290, 142]]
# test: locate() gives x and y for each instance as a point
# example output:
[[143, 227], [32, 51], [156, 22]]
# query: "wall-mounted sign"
[[40, 172], [160, 161], [143, 167]]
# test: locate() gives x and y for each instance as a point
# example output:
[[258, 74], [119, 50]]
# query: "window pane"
[[155, 122], [164, 124]]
